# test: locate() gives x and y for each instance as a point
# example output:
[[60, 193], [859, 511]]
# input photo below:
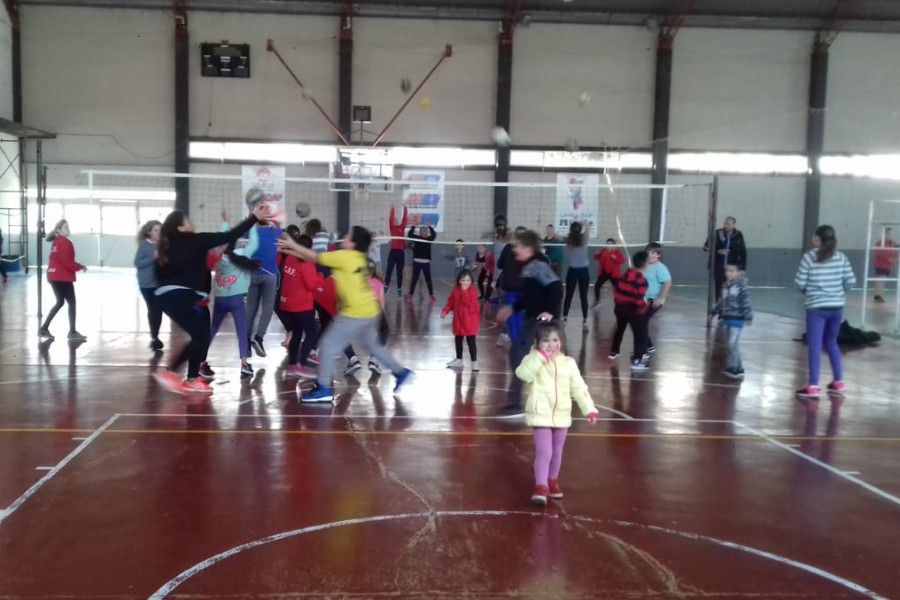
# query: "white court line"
[[78, 439], [18, 502], [173, 583], [43, 468], [843, 474]]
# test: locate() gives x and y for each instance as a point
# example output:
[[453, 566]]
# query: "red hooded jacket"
[[398, 231], [611, 261], [298, 285], [466, 312], [62, 266]]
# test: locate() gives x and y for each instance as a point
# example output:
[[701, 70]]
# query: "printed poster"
[[424, 197], [264, 185], [577, 196]]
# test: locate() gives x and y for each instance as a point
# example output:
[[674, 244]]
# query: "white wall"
[[461, 92], [862, 113], [102, 80], [740, 90], [554, 64], [269, 105], [845, 206]]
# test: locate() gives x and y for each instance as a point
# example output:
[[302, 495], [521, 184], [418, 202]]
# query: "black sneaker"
[[206, 372], [246, 371], [640, 365], [74, 336], [511, 411], [879, 299], [156, 345], [651, 350], [257, 343], [45, 334], [733, 373]]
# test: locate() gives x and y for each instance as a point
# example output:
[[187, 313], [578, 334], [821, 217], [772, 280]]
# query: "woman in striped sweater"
[[824, 277]]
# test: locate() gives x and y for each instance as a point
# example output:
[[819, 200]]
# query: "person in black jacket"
[[729, 250], [539, 298], [184, 284], [421, 258]]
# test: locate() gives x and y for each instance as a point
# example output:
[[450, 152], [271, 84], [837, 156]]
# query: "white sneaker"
[[353, 366], [456, 363], [374, 367], [475, 366]]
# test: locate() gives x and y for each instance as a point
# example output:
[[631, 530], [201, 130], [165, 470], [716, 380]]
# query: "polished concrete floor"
[[692, 485]]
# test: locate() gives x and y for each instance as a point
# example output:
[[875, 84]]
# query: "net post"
[[664, 204], [40, 180], [866, 263], [711, 244]]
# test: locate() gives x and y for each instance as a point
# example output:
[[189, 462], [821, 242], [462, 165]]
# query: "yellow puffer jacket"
[[552, 386]]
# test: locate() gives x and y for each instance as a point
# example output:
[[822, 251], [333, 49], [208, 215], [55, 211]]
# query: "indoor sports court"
[[206, 204]]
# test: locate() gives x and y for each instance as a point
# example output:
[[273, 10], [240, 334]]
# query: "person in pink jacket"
[[463, 303], [61, 269]]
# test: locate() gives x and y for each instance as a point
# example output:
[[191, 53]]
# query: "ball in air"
[[302, 209]]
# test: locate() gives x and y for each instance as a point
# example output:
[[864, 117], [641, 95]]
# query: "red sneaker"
[[836, 388], [539, 495], [169, 380], [313, 357], [555, 491], [298, 372], [195, 386], [811, 392]]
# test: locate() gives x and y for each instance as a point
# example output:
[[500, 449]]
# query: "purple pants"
[[234, 305], [822, 327], [548, 447]]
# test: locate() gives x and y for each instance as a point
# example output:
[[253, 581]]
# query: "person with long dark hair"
[[421, 249], [61, 269], [234, 272], [145, 263], [730, 249], [183, 292], [577, 274], [824, 277], [538, 300]]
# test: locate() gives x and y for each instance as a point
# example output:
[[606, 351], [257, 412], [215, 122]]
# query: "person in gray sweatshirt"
[[145, 262], [735, 311]]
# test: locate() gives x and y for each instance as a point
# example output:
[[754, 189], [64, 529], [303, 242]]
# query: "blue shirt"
[[656, 275], [267, 251]]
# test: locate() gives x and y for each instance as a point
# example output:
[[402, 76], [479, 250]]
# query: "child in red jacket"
[[299, 281], [463, 301], [609, 267], [61, 268]]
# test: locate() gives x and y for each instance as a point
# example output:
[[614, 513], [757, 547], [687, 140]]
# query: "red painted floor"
[[692, 486]]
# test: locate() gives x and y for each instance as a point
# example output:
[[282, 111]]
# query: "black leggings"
[[191, 313], [64, 292], [396, 258], [484, 276], [576, 276], [304, 336], [602, 278], [627, 314], [154, 312], [424, 268], [470, 340]]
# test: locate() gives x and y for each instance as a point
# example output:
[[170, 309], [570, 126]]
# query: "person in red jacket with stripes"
[[630, 290], [463, 303], [610, 260], [61, 269], [299, 282], [396, 256]]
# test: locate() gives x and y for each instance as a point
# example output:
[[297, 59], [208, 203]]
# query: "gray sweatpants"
[[260, 300], [362, 333]]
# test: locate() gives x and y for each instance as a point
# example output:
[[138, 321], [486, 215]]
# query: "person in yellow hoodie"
[[554, 381]]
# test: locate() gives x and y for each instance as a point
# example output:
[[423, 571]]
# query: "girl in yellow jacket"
[[553, 383]]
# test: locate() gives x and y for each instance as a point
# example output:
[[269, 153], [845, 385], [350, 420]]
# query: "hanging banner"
[[423, 195], [576, 200], [264, 185]]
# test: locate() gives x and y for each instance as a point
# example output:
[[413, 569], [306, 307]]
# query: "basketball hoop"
[[361, 192]]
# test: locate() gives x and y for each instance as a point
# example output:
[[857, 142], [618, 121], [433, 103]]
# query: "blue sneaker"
[[320, 393], [402, 378]]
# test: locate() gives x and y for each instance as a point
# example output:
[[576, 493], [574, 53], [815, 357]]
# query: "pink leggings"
[[548, 447]]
